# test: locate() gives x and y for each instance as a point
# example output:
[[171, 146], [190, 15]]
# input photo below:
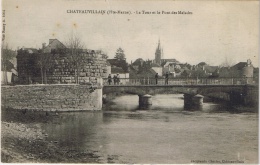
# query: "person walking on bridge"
[[166, 78], [115, 79], [118, 79], [109, 79], [156, 78]]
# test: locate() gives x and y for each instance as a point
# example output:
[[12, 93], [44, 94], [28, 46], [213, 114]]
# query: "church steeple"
[[162, 53], [159, 45], [158, 54]]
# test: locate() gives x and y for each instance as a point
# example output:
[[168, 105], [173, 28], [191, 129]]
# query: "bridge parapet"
[[178, 81]]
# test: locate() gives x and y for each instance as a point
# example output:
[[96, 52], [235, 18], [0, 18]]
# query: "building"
[[239, 70], [158, 54], [53, 44], [120, 72], [211, 71], [9, 73], [138, 64], [171, 66], [243, 69], [119, 67], [157, 69]]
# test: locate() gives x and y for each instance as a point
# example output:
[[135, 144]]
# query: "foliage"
[[120, 54], [7, 54], [202, 63]]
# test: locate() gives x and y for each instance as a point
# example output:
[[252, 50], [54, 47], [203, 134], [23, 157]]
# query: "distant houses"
[[118, 66], [52, 64], [157, 69], [53, 44], [9, 67], [148, 68]]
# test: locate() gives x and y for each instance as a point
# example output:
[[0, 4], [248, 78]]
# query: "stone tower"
[[158, 54]]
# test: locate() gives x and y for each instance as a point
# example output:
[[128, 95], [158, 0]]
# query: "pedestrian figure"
[[115, 79], [156, 78], [118, 79], [166, 78], [109, 79]]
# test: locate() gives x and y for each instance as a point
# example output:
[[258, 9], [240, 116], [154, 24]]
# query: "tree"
[[202, 64], [120, 54], [185, 74], [44, 62], [7, 55], [75, 51]]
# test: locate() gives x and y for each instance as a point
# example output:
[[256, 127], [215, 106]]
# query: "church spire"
[[158, 53], [162, 54], [159, 45]]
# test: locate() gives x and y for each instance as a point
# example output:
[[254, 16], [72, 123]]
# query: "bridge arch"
[[235, 90]]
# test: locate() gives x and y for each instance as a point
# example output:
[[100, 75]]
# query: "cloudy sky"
[[215, 32]]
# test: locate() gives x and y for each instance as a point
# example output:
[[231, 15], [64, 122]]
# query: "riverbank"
[[24, 141]]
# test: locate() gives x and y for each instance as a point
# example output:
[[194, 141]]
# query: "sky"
[[215, 32]]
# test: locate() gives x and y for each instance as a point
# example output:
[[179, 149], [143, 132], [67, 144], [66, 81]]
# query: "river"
[[165, 133]]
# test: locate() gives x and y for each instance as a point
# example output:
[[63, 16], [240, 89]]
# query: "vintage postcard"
[[130, 82]]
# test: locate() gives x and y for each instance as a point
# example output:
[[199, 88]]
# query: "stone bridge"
[[194, 91]]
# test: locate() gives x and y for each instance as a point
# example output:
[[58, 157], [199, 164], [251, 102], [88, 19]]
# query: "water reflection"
[[165, 133], [74, 130], [171, 102]]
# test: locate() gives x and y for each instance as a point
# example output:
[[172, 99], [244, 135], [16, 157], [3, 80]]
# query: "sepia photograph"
[[130, 82]]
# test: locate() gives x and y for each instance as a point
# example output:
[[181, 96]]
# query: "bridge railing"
[[179, 81]]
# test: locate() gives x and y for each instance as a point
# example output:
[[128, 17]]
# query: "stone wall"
[[61, 67], [52, 97], [251, 95], [93, 66]]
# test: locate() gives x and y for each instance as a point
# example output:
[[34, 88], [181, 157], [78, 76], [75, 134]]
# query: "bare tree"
[[44, 62], [7, 55], [75, 51], [48, 65], [40, 62], [226, 63]]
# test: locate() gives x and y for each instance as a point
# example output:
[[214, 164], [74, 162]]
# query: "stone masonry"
[[61, 69], [93, 66], [52, 97]]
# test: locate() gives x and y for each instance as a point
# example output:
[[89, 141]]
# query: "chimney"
[[50, 40], [249, 62], [43, 45]]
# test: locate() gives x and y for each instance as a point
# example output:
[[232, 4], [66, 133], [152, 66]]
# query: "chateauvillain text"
[[122, 12]]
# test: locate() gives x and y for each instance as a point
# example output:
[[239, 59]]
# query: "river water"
[[165, 133]]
